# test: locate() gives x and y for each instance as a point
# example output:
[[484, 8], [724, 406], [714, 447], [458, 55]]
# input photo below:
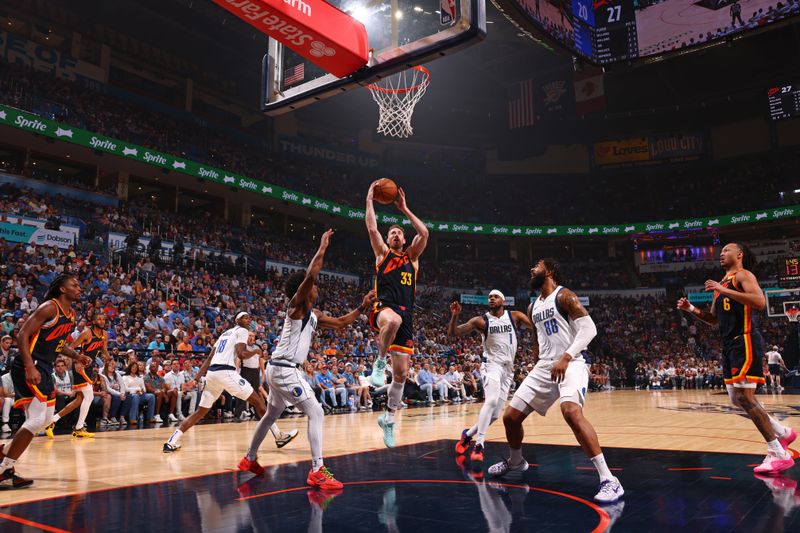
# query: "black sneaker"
[[169, 448], [9, 480]]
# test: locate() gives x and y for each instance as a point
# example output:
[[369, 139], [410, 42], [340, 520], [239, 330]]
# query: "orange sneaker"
[[462, 446], [477, 454], [246, 465], [323, 479], [322, 498]]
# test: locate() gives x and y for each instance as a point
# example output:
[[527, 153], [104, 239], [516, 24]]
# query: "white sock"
[[394, 396], [7, 463], [276, 432], [316, 463], [779, 429], [472, 431], [775, 447], [515, 456], [175, 439], [56, 418], [86, 404], [389, 416], [599, 463], [480, 439]]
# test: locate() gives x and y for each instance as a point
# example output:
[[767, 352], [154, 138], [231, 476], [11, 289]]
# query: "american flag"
[[521, 111], [294, 75]]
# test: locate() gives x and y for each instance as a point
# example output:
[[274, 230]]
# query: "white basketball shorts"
[[224, 380], [538, 391], [502, 374], [287, 384]]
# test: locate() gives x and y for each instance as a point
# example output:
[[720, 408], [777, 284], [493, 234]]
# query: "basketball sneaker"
[[6, 428], [82, 433], [246, 465], [610, 491], [169, 448], [49, 431], [504, 468], [9, 480], [773, 464], [286, 438], [789, 438], [378, 375], [462, 446], [323, 479], [388, 431]]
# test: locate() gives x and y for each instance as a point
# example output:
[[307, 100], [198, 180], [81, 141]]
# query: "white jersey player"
[[498, 329], [564, 329], [219, 369], [284, 371]]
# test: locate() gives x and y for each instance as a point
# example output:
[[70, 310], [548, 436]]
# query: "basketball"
[[385, 191]]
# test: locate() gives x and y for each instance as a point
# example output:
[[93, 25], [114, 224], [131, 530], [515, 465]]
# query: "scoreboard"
[[784, 102], [789, 269], [605, 30]]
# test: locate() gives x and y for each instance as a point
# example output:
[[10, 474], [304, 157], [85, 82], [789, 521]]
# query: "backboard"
[[402, 34], [779, 299]]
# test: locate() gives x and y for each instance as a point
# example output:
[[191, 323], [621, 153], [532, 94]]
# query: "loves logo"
[[602, 149]]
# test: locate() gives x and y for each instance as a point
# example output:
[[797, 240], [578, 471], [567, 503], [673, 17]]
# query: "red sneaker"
[[323, 479], [246, 465], [785, 441], [462, 446], [9, 480]]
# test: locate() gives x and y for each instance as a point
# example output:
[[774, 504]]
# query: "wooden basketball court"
[[68, 471]]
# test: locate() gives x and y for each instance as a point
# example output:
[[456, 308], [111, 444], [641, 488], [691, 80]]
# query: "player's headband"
[[241, 314], [497, 293]]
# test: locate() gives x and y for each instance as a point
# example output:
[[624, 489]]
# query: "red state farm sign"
[[316, 30]]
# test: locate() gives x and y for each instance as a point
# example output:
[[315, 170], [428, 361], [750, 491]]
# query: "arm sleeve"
[[586, 332]]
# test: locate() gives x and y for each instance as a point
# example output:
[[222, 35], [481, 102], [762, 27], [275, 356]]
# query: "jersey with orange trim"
[[94, 345], [47, 343], [735, 318], [396, 282]]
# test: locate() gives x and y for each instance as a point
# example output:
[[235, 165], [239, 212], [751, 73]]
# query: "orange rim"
[[425, 80]]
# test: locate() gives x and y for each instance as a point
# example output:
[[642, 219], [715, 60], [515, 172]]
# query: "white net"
[[396, 96]]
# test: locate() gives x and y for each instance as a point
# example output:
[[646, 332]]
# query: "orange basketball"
[[385, 191]]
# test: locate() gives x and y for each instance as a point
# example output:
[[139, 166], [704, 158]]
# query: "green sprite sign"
[[26, 121]]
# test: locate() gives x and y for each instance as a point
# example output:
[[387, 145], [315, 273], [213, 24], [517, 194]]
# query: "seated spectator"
[[155, 385], [134, 383]]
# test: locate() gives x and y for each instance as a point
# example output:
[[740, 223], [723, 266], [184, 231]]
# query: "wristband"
[[691, 308]]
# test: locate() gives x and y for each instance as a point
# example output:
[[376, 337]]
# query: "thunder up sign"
[[48, 128]]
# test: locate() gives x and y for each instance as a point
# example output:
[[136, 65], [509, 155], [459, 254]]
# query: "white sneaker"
[[113, 421], [6, 428], [158, 420], [181, 417], [244, 416], [172, 418], [610, 491], [227, 414]]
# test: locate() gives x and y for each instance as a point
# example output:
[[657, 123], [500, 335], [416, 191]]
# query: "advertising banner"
[[22, 120], [324, 275], [38, 236], [621, 152], [327, 153], [21, 51], [483, 299]]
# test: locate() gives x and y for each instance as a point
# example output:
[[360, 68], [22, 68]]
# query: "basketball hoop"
[[396, 96], [792, 314]]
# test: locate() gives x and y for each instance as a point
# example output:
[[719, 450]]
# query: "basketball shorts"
[[218, 381], [81, 376], [538, 391], [741, 361], [287, 386], [502, 374], [403, 341], [775, 370], [25, 392]]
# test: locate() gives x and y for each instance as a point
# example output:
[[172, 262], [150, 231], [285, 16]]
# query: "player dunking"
[[42, 339], [221, 375], [735, 298], [563, 331], [93, 341], [285, 369], [393, 313], [498, 328]]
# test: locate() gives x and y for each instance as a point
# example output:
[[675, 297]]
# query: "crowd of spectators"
[[621, 196]]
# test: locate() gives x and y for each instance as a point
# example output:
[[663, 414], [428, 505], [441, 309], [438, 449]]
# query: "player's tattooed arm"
[[569, 301], [459, 330], [534, 336], [709, 317], [300, 299]]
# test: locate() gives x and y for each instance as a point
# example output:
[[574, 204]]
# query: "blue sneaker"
[[378, 375], [388, 431]]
